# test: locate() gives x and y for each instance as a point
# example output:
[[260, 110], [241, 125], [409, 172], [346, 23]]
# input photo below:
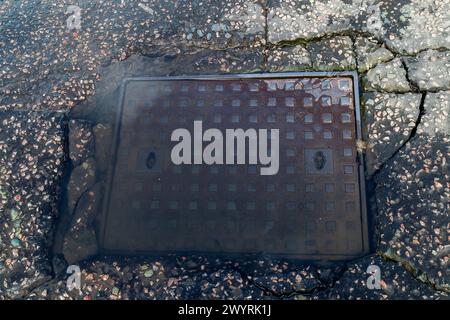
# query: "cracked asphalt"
[[56, 109]]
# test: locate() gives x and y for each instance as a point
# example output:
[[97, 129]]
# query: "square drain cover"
[[238, 164]]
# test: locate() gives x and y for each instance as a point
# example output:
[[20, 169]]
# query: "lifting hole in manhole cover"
[[238, 164]]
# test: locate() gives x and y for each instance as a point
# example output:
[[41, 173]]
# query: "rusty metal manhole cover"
[[238, 164]]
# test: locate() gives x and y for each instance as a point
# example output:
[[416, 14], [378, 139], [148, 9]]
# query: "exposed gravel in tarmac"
[[401, 49], [58, 66], [390, 119], [31, 159], [395, 284], [414, 196]]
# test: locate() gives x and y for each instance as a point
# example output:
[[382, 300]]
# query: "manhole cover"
[[238, 164]]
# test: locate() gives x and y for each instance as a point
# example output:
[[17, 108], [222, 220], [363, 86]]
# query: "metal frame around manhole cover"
[[264, 76]]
